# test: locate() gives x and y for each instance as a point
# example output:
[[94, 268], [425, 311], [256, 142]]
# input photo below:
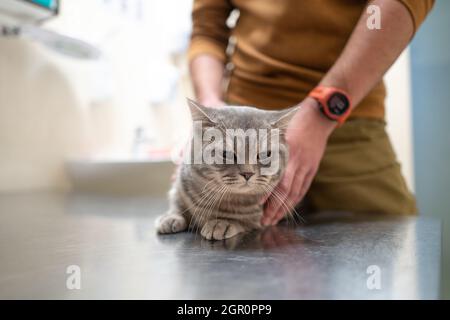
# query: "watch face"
[[338, 104]]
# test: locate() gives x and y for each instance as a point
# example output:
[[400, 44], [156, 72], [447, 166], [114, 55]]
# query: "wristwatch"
[[333, 102]]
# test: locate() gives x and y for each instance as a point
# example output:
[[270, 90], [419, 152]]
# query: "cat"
[[224, 198]]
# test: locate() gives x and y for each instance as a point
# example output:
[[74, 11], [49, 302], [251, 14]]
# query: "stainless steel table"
[[113, 242]]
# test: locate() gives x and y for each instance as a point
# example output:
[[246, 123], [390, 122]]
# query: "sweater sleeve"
[[209, 32], [418, 10]]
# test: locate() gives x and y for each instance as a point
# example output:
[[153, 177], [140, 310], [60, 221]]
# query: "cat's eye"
[[264, 157], [229, 156]]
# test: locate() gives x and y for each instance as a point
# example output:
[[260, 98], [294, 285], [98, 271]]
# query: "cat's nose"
[[247, 175]]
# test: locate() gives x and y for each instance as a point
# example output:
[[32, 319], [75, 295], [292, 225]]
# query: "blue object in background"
[[51, 4], [430, 71]]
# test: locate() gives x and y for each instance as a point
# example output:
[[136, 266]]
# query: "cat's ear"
[[199, 112], [280, 119]]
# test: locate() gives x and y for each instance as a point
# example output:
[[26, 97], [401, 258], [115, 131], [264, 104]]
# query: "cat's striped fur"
[[219, 200]]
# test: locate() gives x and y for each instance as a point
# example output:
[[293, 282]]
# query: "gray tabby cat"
[[223, 199]]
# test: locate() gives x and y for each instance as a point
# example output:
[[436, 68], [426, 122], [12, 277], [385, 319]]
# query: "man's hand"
[[307, 136]]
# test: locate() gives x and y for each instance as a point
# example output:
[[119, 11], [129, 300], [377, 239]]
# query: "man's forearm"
[[207, 77], [369, 53]]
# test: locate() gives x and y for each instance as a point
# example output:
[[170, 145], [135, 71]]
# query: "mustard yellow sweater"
[[284, 47]]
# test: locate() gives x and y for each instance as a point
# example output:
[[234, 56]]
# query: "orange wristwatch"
[[334, 103]]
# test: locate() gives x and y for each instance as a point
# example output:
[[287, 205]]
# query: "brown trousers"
[[360, 173]]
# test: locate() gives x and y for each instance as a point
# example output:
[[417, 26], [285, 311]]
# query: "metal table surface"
[[113, 242]]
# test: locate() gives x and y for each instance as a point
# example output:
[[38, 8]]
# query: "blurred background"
[[92, 99]]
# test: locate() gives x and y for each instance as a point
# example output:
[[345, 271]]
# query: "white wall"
[[54, 108], [399, 114], [45, 116]]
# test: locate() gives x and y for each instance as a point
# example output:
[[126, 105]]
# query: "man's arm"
[[370, 53], [367, 56], [207, 78], [207, 49]]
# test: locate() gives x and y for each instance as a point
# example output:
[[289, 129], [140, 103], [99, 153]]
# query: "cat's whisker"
[[285, 204], [196, 206], [206, 195], [204, 210], [220, 200], [277, 195], [288, 205], [203, 213], [211, 204]]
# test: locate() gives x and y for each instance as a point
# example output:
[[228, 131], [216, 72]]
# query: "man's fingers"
[[265, 198], [295, 199], [292, 198], [289, 203], [306, 184], [280, 214], [277, 198], [273, 205]]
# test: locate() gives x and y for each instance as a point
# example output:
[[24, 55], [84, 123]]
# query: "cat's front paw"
[[220, 229], [171, 223]]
